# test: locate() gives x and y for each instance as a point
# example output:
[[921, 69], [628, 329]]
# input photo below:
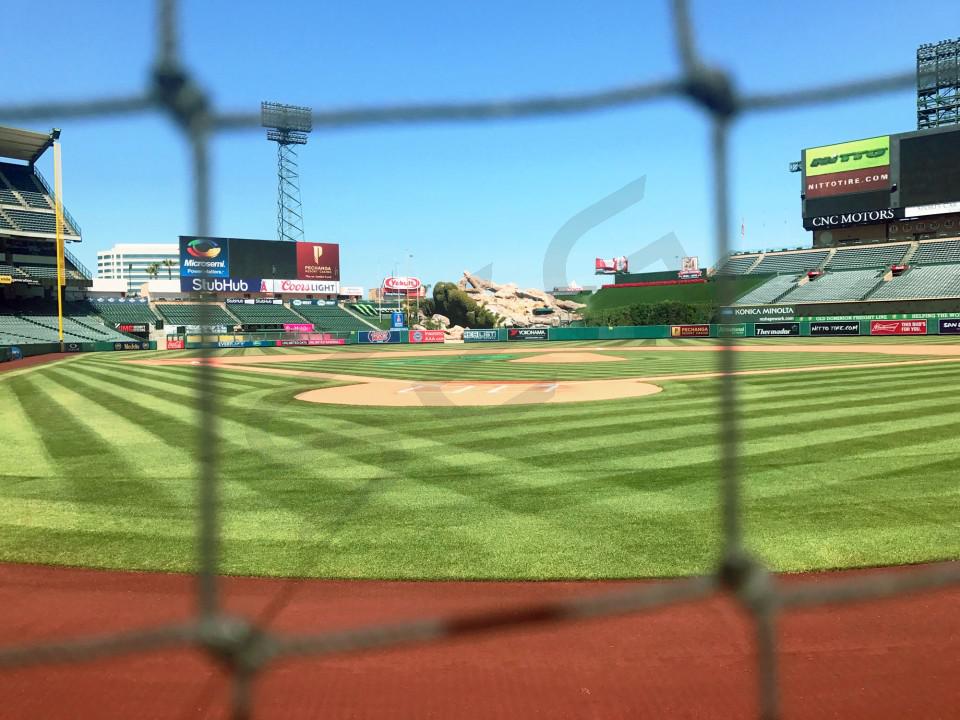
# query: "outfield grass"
[[847, 468]]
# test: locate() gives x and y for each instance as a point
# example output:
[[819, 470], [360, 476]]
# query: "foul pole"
[[58, 205]]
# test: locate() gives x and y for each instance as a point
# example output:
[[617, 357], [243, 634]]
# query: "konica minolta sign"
[[757, 312]]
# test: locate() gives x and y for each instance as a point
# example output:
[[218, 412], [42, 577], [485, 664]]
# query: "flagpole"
[[58, 206]]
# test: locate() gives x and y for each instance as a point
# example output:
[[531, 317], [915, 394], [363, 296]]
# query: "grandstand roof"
[[25, 144]]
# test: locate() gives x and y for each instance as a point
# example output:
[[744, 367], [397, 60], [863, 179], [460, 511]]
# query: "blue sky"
[[460, 197]]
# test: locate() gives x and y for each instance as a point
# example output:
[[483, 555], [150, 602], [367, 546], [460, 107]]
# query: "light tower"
[[938, 84], [288, 126]]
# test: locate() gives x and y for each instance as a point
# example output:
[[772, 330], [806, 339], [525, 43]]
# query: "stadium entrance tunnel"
[[407, 393]]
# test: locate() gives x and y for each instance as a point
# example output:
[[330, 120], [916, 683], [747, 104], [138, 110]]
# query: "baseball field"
[[519, 461]]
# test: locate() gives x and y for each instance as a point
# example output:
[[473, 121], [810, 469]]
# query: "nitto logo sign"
[[854, 218], [854, 155]]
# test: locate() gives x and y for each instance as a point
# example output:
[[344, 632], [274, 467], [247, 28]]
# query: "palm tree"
[[168, 264], [153, 269]]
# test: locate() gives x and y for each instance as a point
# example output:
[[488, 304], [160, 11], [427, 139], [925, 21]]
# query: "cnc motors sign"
[[864, 217], [401, 284]]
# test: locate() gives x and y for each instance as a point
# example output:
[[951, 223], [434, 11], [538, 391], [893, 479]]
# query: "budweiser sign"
[[401, 283]]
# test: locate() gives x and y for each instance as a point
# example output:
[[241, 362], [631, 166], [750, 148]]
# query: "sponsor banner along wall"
[[682, 331], [949, 327], [298, 327], [527, 334], [849, 327], [782, 329], [325, 340], [480, 336], [379, 337], [175, 343], [426, 336], [221, 285], [898, 327], [303, 287], [734, 330]]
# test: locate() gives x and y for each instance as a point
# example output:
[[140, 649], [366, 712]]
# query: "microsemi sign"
[[401, 283]]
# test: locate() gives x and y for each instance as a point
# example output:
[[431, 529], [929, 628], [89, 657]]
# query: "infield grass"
[[843, 468]]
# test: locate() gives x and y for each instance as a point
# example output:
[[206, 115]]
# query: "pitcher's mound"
[[568, 357], [463, 393]]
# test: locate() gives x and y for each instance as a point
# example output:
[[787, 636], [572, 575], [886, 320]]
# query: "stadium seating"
[[195, 314], [737, 264], [847, 285], [264, 314], [367, 309], [124, 312], [869, 257], [794, 262], [936, 252], [331, 318], [4, 223], [770, 291], [33, 221], [922, 282], [21, 179]]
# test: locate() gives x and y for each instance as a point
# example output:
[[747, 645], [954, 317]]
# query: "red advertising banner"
[[426, 336], [298, 327], [690, 331], [851, 181], [898, 327], [175, 343], [318, 261]]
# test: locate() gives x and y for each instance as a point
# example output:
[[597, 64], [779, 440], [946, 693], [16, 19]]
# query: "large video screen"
[[930, 169], [220, 264]]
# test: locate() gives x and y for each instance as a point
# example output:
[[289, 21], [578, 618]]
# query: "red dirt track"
[[33, 360], [895, 658]]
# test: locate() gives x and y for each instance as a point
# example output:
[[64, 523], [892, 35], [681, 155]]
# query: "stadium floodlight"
[[938, 84], [288, 126]]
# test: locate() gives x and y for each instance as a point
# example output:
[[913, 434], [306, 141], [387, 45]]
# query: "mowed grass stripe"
[[618, 489]]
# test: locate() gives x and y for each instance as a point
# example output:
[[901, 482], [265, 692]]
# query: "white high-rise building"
[[129, 261]]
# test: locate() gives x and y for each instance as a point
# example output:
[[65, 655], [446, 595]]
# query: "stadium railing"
[[244, 649]]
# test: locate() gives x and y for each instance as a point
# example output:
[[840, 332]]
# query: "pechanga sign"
[[863, 217], [682, 331], [843, 157]]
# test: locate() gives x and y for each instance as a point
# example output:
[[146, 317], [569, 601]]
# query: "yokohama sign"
[[401, 283], [898, 327]]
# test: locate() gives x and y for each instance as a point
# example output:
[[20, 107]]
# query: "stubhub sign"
[[222, 285]]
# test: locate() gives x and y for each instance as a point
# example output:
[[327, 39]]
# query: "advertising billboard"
[[174, 343], [818, 329], [527, 334], [681, 331], [950, 327], [425, 336], [206, 257], [318, 261], [847, 156], [298, 327], [776, 329], [898, 327], [219, 257], [379, 337], [480, 336], [303, 287], [401, 284], [221, 285], [398, 320]]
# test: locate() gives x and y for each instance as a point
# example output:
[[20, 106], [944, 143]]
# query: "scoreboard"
[[219, 264], [881, 179]]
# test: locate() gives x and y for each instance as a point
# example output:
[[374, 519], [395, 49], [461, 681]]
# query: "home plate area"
[[406, 393]]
